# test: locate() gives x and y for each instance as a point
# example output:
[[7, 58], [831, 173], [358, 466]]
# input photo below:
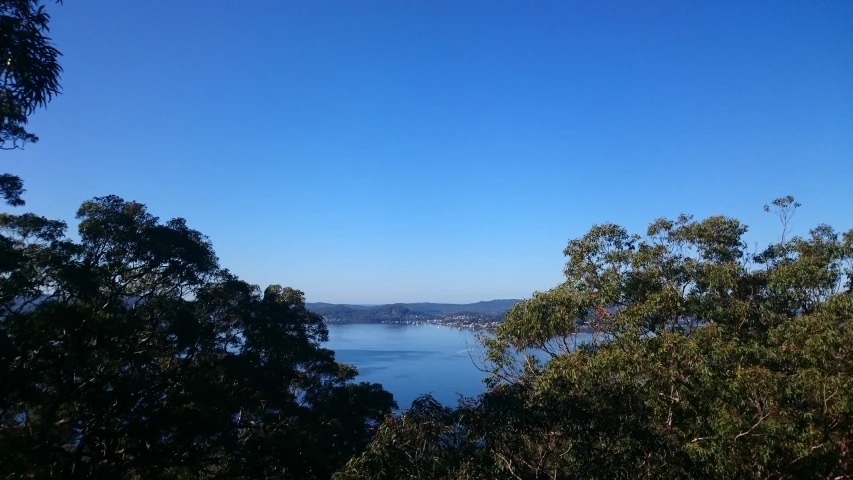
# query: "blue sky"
[[373, 152]]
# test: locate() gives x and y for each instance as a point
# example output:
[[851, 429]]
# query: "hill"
[[492, 310]]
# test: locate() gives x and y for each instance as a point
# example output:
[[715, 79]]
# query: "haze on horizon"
[[378, 152]]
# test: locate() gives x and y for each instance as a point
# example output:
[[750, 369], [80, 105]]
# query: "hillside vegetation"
[[410, 312], [128, 352], [132, 354], [711, 361]]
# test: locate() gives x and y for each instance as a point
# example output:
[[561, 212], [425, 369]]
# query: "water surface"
[[410, 360]]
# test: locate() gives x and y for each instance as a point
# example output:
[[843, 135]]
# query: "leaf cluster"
[[706, 361], [29, 68], [132, 354]]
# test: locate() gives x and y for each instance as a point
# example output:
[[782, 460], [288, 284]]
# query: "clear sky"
[[375, 152]]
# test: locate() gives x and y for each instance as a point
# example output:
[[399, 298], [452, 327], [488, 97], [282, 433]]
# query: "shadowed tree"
[[29, 71], [132, 354]]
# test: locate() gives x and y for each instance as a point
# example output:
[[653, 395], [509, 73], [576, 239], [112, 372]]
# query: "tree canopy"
[[132, 354], [29, 68], [29, 71], [708, 361]]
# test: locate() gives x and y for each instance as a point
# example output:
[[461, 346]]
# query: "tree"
[[708, 361], [29, 70], [132, 354]]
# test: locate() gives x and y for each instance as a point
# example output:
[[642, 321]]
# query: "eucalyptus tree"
[[708, 360]]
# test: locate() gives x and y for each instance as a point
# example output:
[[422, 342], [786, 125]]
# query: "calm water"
[[410, 360]]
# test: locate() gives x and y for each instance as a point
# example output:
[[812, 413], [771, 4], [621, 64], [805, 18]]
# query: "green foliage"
[[131, 354], [708, 361], [428, 441]]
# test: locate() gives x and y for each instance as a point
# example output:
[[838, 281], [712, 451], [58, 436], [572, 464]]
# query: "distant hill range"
[[492, 310]]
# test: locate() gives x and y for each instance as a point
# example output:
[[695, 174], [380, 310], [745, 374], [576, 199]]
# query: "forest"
[[127, 351]]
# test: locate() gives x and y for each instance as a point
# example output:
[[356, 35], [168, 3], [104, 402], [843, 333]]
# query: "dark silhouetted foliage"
[[29, 71], [29, 68], [131, 354]]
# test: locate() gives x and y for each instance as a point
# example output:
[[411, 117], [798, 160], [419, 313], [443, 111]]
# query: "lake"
[[410, 360]]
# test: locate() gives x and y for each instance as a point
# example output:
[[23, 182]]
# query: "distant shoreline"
[[482, 326]]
